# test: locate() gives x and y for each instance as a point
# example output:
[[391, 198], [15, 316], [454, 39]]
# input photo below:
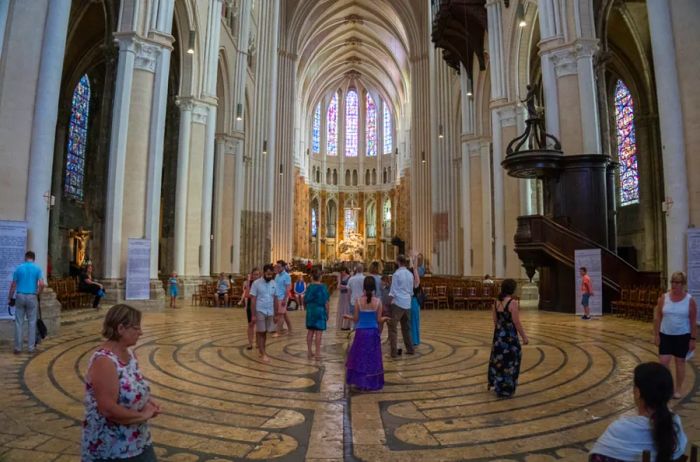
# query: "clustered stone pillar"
[[672, 133]]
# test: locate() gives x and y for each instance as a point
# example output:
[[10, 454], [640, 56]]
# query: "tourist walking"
[[343, 323], [118, 403], [283, 283], [263, 296], [27, 284], [364, 366], [506, 353], [172, 289], [415, 305], [586, 292], [402, 285], [245, 300], [317, 311], [675, 327], [355, 286]]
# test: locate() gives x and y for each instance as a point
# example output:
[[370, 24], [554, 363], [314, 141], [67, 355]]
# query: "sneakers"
[[584, 317]]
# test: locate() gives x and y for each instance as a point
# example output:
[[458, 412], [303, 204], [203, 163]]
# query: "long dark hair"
[[507, 289], [655, 385], [369, 286]]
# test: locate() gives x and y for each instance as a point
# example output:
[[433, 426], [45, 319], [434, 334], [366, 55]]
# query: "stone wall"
[[302, 216]]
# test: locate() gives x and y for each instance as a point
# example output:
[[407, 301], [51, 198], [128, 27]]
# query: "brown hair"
[[119, 315]]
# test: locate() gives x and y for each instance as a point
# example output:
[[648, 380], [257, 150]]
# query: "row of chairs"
[[637, 302], [207, 295], [465, 297], [68, 294]]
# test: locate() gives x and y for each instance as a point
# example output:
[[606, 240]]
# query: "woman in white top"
[[653, 427], [675, 327]]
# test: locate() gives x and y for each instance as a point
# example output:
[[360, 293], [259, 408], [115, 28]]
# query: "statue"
[[529, 101], [80, 241], [352, 247]]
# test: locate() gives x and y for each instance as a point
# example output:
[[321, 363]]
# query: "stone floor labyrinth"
[[220, 403]]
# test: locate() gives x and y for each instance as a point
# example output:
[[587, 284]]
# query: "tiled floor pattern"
[[221, 403]]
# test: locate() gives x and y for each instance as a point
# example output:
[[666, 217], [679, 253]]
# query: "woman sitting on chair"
[[653, 427]]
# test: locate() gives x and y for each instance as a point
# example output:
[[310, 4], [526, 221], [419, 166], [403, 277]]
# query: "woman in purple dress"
[[364, 367]]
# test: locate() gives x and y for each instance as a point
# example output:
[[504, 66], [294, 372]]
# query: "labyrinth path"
[[220, 403]]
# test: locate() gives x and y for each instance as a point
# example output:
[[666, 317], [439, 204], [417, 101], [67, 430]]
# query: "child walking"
[[172, 285], [316, 313], [364, 365]]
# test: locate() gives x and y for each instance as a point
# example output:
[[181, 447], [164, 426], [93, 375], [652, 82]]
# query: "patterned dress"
[[103, 439], [504, 365]]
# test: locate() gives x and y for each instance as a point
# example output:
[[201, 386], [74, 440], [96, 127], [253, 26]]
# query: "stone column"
[[672, 133], [487, 210], [4, 9], [44, 126], [186, 105], [467, 130]]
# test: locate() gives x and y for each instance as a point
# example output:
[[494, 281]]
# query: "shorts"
[[248, 313], [584, 299], [674, 345], [173, 291], [264, 322]]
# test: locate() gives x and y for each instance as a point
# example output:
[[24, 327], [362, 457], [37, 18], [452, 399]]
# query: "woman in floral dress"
[[504, 365], [118, 402]]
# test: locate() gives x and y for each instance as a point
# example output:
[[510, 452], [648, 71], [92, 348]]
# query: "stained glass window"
[[314, 223], [332, 126], [350, 220], [351, 123], [388, 137], [371, 126], [626, 145], [316, 131], [77, 140]]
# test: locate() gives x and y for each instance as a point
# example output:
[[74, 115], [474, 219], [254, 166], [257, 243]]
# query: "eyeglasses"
[[676, 281]]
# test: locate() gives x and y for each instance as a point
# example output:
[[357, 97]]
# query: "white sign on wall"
[[694, 264], [138, 270], [13, 244], [591, 259]]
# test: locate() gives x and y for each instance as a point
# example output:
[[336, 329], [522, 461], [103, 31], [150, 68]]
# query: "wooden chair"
[[441, 297], [458, 298], [429, 297], [471, 296], [197, 296]]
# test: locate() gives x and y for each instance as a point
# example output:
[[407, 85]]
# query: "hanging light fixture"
[[281, 170], [422, 156], [239, 112], [441, 133], [396, 151], [264, 147], [469, 87], [190, 42], [520, 14]]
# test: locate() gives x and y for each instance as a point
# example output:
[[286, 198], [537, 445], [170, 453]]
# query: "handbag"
[[41, 329]]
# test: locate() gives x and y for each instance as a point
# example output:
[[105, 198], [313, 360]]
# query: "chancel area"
[[160, 154]]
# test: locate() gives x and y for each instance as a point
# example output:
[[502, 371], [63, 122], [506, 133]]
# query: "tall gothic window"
[[316, 131], [388, 138], [314, 222], [77, 140], [371, 220], [626, 145], [352, 119], [332, 124], [371, 126], [350, 220]]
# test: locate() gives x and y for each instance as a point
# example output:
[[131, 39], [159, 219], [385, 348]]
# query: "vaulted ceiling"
[[367, 40]]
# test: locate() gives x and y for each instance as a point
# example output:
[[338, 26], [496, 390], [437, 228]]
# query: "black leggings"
[[95, 290]]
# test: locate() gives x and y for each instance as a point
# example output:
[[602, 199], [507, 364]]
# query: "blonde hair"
[[119, 315], [680, 275]]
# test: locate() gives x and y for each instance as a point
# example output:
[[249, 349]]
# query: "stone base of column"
[[115, 292], [529, 296], [189, 286], [50, 313]]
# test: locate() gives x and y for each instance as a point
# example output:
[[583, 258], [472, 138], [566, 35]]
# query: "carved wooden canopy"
[[459, 27]]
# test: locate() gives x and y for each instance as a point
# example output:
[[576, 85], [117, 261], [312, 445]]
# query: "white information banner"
[[138, 270], [13, 244], [591, 260], [694, 264]]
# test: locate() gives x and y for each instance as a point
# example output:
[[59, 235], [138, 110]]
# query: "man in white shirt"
[[263, 296], [356, 285], [401, 291]]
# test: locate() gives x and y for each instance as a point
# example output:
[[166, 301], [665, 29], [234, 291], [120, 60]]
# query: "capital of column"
[[146, 51], [507, 115], [229, 143], [565, 59]]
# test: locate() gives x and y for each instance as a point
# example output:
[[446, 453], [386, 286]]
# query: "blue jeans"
[[25, 306]]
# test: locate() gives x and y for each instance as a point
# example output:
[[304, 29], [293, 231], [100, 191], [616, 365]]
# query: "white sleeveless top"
[[675, 319]]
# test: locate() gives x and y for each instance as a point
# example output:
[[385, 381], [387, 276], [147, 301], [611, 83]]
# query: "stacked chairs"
[[637, 302]]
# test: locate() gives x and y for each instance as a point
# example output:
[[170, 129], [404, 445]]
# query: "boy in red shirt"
[[586, 292]]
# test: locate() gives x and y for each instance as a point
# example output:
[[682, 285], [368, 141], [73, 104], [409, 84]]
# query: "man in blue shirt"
[[27, 283], [402, 285], [283, 282], [262, 307]]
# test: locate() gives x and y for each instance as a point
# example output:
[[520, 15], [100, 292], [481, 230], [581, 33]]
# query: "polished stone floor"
[[221, 403]]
